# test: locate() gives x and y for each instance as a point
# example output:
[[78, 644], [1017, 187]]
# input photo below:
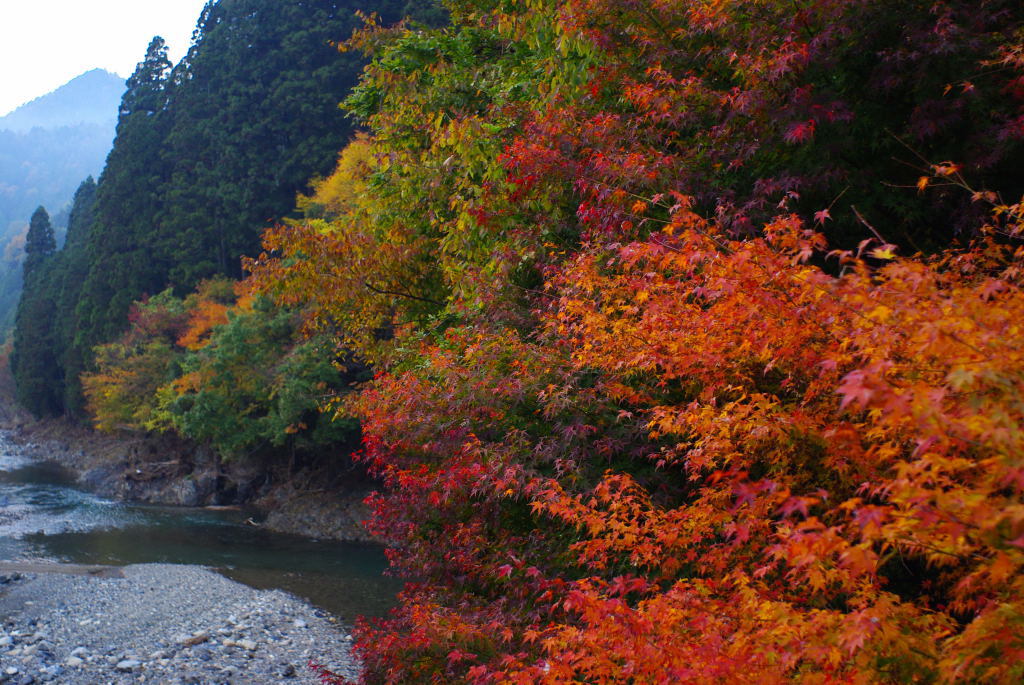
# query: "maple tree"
[[679, 372], [675, 407]]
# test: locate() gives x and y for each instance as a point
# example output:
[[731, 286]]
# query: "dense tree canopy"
[[225, 370], [208, 152], [650, 361]]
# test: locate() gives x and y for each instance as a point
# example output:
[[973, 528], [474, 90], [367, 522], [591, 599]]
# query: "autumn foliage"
[[696, 328], [224, 368]]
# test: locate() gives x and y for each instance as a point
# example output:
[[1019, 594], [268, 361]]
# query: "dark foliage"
[[32, 361]]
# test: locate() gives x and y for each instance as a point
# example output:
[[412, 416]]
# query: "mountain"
[[91, 98], [47, 148]]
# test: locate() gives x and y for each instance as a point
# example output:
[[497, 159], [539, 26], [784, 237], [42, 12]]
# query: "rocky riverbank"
[[159, 623], [165, 470]]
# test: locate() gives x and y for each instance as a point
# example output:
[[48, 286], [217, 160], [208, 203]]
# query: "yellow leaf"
[[1001, 568], [881, 313]]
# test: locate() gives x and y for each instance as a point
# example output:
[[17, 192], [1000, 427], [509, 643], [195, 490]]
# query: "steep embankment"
[[165, 470]]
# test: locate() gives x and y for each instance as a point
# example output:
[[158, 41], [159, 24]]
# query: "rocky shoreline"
[[165, 470], [161, 623]]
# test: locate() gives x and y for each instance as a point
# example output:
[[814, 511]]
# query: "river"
[[43, 517]]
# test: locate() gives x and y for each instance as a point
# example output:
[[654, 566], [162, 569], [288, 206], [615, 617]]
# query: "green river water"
[[44, 517]]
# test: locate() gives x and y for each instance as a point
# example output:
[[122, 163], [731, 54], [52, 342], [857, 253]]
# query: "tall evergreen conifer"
[[40, 242], [68, 272], [129, 199], [33, 363]]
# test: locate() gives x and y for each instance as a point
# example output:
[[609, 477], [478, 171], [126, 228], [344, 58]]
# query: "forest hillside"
[[683, 336], [47, 147]]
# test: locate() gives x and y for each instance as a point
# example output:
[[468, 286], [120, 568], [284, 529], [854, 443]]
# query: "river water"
[[43, 517]]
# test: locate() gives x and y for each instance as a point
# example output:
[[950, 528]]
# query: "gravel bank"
[[164, 624]]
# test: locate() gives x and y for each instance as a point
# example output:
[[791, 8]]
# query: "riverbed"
[[44, 517]]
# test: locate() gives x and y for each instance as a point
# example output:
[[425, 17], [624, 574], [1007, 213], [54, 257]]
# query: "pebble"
[[128, 665], [166, 625]]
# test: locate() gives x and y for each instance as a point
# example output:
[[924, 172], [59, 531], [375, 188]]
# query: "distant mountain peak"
[[91, 98]]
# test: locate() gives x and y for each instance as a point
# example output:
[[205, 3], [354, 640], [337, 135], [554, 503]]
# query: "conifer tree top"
[[40, 239]]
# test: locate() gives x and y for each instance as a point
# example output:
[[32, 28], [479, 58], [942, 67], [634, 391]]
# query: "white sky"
[[46, 43]]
